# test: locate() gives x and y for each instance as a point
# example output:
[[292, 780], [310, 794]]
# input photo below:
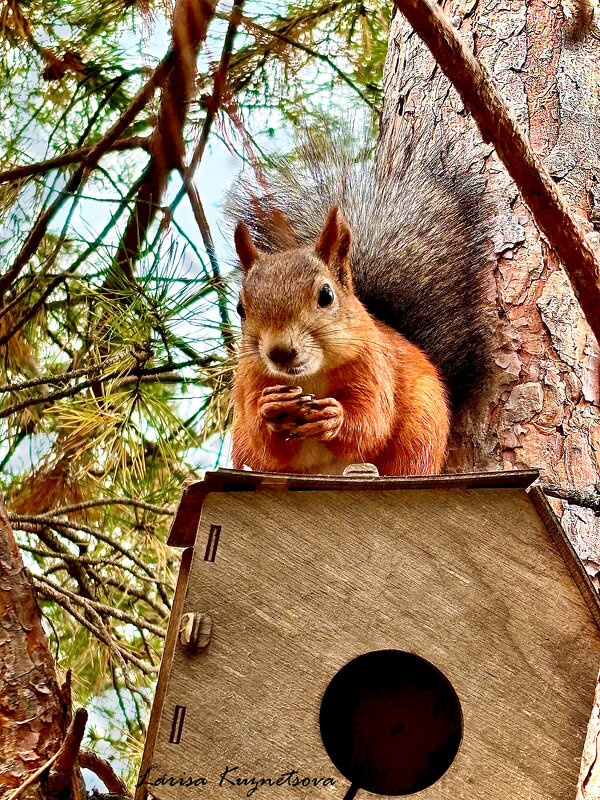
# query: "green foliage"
[[115, 386]]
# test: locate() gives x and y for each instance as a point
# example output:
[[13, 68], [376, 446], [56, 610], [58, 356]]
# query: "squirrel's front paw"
[[281, 408], [321, 419]]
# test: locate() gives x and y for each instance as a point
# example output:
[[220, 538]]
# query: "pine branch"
[[123, 656], [89, 162], [71, 391], [253, 26], [104, 610], [66, 527]]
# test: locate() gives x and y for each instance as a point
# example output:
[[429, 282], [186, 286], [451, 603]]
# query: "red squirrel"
[[321, 383], [360, 313]]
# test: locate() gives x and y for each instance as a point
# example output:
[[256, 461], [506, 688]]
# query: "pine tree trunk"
[[541, 407], [33, 709]]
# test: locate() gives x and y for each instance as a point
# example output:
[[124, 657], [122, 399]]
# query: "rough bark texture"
[[33, 713], [540, 408]]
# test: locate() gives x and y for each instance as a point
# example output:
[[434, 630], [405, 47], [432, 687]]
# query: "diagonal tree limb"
[[499, 127], [218, 282], [213, 103], [212, 106], [191, 19]]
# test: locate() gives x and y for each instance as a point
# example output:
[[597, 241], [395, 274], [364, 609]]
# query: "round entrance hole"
[[391, 722]]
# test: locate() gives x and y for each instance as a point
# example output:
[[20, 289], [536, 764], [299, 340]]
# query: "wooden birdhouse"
[[339, 637]]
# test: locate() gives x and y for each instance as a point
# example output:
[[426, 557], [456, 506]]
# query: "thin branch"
[[64, 556], [213, 103], [71, 157], [498, 126], [83, 574], [212, 106], [121, 654], [63, 527], [586, 498], [104, 610], [107, 501], [162, 609], [190, 22], [218, 282], [104, 770]]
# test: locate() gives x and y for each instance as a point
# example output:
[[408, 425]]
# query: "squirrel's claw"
[[321, 419]]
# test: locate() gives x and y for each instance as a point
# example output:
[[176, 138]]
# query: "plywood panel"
[[303, 582]]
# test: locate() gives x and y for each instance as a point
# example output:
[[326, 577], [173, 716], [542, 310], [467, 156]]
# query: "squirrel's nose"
[[282, 355]]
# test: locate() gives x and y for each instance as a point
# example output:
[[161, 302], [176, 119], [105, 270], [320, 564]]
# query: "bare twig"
[[586, 498], [108, 501], [498, 126], [72, 157]]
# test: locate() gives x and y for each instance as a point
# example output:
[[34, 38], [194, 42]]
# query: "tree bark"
[[33, 706], [540, 407]]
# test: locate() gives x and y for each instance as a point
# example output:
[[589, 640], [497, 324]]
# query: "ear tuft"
[[333, 245], [245, 247]]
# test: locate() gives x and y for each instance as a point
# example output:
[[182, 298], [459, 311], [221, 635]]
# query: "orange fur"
[[395, 412]]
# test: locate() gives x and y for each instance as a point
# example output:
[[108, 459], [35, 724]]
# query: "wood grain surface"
[[302, 582]]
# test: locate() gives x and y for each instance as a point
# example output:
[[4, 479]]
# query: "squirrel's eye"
[[326, 296], [240, 310]]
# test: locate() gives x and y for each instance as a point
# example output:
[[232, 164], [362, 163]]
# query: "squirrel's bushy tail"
[[420, 238]]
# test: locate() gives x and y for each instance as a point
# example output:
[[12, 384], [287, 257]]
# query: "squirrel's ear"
[[333, 245], [245, 247]]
